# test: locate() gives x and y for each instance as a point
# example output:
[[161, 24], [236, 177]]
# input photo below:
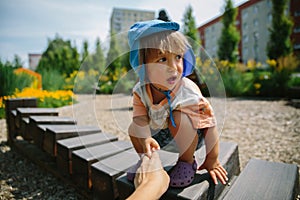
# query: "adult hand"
[[151, 180]]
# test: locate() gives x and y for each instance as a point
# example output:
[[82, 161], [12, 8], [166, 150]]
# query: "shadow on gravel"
[[294, 103], [289, 102], [121, 109], [22, 179]]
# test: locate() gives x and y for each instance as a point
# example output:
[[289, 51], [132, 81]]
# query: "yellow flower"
[[272, 63], [257, 86], [42, 95]]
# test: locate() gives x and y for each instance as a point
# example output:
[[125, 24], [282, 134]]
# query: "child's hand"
[[215, 169], [149, 145]]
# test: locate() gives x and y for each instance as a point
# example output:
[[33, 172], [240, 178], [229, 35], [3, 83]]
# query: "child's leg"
[[185, 136]]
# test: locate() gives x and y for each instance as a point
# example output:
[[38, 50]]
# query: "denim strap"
[[167, 93]]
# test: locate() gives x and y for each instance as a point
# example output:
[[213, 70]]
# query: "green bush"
[[237, 83], [10, 81], [294, 81], [7, 77], [117, 81], [52, 80]]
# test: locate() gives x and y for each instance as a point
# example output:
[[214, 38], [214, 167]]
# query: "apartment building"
[[122, 19], [34, 59], [253, 21]]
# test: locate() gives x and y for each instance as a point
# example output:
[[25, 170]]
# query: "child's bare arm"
[[142, 133], [212, 163]]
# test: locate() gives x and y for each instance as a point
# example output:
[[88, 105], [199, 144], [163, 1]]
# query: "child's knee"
[[130, 130], [181, 119]]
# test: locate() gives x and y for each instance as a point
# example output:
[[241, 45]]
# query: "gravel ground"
[[264, 129]]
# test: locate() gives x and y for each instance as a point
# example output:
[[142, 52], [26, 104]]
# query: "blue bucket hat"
[[146, 28]]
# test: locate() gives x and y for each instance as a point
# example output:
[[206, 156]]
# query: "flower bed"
[[46, 99]]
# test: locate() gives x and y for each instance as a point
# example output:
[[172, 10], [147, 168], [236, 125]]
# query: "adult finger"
[[148, 150]]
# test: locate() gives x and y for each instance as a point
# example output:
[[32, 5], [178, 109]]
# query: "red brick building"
[[253, 20]]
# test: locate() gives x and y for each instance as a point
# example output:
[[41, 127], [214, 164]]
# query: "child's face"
[[164, 69]]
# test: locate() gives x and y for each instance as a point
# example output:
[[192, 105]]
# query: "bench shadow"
[[293, 103], [121, 109]]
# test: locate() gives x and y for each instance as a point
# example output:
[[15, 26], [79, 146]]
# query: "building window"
[[245, 26], [255, 9], [297, 46], [255, 22], [269, 3], [297, 29], [297, 13], [245, 38], [244, 15], [270, 17], [245, 51]]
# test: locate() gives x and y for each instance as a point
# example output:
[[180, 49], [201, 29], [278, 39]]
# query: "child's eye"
[[162, 59], [178, 57]]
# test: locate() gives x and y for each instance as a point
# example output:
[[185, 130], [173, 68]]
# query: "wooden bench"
[[34, 121], [10, 112], [202, 186], [65, 148], [53, 133], [264, 180], [83, 159], [97, 162]]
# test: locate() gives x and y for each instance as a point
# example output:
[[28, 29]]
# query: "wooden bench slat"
[[38, 135], [65, 148], [105, 172], [83, 159], [26, 112], [262, 179], [52, 119], [54, 133], [202, 187]]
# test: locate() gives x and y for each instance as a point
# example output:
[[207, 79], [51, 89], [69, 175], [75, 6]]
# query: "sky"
[[26, 26]]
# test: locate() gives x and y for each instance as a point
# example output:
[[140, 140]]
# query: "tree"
[[93, 61], [98, 58], [228, 42], [113, 60], [279, 44], [17, 61], [60, 55], [190, 29], [85, 50]]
